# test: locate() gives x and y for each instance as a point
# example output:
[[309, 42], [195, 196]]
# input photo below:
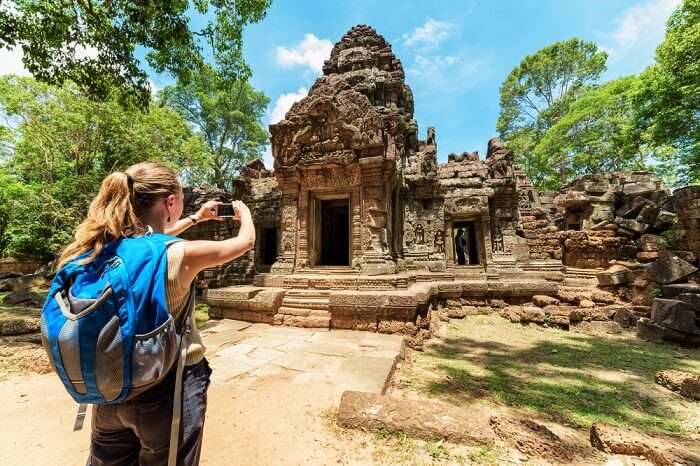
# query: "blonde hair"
[[115, 211]]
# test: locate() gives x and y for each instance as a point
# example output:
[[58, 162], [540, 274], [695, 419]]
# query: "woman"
[[145, 198]]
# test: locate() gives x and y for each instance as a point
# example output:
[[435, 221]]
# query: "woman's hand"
[[240, 210], [208, 212]]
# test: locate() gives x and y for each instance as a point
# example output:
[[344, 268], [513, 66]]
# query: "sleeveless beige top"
[[177, 293]]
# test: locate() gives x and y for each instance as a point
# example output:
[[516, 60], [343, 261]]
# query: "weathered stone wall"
[[542, 235], [235, 273], [686, 232], [590, 249]]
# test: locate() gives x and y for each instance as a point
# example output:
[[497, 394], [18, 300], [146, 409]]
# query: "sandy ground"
[[271, 400]]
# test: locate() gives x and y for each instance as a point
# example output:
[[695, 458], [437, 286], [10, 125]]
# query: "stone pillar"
[[289, 225], [376, 256]]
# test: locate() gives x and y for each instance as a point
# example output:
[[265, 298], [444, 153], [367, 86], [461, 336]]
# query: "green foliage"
[[669, 99], [598, 132], [227, 116], [93, 43], [61, 145], [538, 92]]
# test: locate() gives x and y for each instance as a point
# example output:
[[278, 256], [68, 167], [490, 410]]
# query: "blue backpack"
[[106, 326]]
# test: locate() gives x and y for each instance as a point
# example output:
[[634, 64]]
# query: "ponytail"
[[115, 211]]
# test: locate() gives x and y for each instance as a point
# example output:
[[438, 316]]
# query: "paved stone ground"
[[272, 389]]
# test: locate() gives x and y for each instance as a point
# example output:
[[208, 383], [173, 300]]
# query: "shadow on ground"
[[570, 378]]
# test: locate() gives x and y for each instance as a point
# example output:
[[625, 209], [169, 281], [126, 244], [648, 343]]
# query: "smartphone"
[[226, 210]]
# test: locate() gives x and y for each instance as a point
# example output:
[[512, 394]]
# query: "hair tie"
[[130, 182]]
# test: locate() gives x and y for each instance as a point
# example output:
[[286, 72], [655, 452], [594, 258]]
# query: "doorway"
[[465, 243], [335, 232], [268, 246]]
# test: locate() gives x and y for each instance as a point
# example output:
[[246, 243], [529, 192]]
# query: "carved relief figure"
[[439, 243], [420, 234]]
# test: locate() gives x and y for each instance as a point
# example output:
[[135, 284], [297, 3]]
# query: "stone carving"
[[360, 106], [499, 159], [375, 223], [524, 200], [331, 177], [497, 243], [420, 234], [439, 242]]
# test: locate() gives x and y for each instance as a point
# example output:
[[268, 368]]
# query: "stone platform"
[[388, 304]]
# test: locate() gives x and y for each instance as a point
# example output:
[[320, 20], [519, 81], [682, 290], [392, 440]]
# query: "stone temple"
[[356, 225]]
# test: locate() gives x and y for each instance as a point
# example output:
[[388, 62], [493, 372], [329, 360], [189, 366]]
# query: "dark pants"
[[137, 432], [461, 257]]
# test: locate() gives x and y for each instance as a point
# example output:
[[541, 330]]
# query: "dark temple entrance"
[[269, 246], [469, 242], [335, 232]]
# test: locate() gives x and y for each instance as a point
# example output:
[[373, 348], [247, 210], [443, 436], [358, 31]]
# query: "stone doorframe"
[[314, 224], [481, 226]]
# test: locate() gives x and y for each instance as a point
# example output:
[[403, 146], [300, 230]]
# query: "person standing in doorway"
[[461, 246]]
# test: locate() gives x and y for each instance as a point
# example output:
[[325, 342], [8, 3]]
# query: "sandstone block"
[[669, 268], [543, 300]]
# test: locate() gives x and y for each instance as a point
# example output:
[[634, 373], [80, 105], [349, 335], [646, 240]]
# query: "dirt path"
[[271, 400]]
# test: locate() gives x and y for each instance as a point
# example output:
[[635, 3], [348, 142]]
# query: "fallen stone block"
[[648, 214], [660, 452], [691, 298], [665, 219], [631, 225], [647, 256], [23, 297], [669, 268], [531, 438], [544, 301], [675, 314], [624, 317], [18, 326], [678, 381], [672, 291], [596, 327], [615, 275], [427, 420], [653, 243]]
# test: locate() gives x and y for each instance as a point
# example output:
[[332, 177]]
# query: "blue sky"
[[455, 53]]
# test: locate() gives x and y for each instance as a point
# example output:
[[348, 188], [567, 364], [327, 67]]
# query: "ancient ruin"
[[360, 227]]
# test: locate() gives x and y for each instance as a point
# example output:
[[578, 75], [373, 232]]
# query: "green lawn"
[[563, 376]]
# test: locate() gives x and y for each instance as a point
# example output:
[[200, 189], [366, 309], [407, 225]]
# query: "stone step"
[[322, 322], [306, 303], [303, 312], [311, 294], [579, 282]]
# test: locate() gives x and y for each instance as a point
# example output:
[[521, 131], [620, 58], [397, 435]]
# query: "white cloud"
[[285, 102], [311, 52], [429, 35], [446, 73], [11, 62], [640, 28]]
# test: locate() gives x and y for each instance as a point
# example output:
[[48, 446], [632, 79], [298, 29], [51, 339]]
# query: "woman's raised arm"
[[200, 255]]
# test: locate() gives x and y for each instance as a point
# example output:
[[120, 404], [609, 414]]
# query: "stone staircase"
[[575, 277], [305, 308]]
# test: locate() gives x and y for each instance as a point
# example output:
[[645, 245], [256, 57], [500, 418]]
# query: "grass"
[[398, 448], [565, 377], [201, 314]]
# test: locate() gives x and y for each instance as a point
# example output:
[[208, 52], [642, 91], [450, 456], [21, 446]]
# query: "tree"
[[228, 116], [95, 43], [598, 132], [538, 92], [669, 98], [59, 134], [60, 146]]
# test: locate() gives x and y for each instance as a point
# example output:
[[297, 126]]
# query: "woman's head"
[[147, 193]]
